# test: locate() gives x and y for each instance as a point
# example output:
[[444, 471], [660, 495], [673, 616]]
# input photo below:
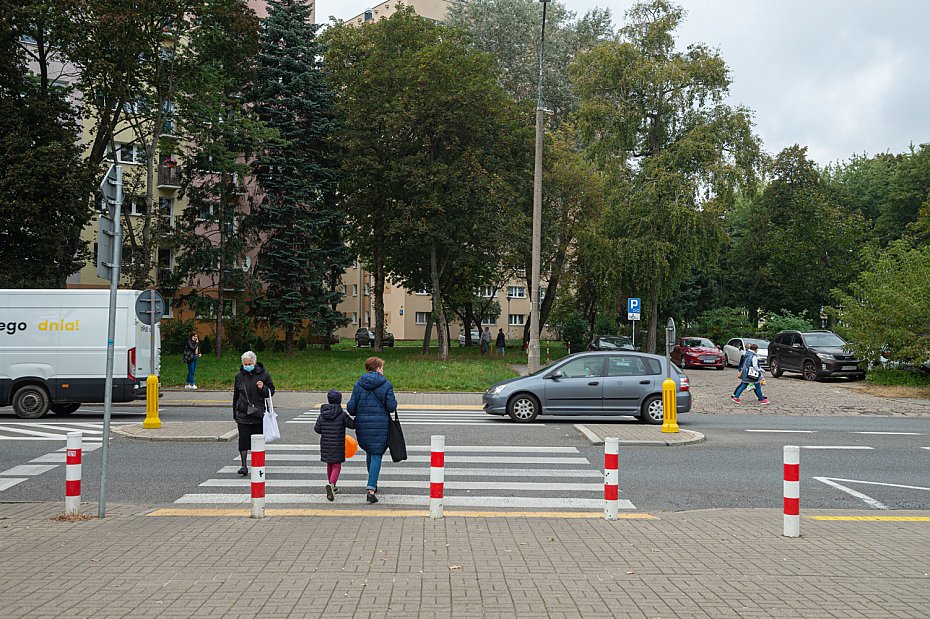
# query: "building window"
[[516, 292], [485, 292], [367, 289], [127, 153], [367, 318], [137, 205], [517, 320], [166, 212], [354, 318], [354, 290], [488, 322], [422, 293], [421, 318], [204, 212]]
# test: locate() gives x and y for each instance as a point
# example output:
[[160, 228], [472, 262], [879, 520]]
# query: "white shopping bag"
[[270, 423]]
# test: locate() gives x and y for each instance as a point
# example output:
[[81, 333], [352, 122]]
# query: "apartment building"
[[432, 9]]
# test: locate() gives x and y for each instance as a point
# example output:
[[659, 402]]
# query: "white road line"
[[243, 498], [785, 431], [63, 428], [348, 471], [31, 432], [53, 437], [892, 433], [868, 500], [449, 448], [406, 422], [9, 482], [86, 448], [466, 459], [925, 447], [423, 484], [874, 483], [29, 469], [835, 447], [52, 457]]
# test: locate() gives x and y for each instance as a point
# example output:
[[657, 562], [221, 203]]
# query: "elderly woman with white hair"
[[253, 386]]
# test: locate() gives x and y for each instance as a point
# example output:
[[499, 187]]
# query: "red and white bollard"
[[792, 491], [73, 474], [258, 476], [611, 478], [437, 474]]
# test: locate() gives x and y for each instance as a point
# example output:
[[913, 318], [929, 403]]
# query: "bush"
[[605, 325], [239, 333], [773, 323], [175, 333], [575, 331], [724, 323]]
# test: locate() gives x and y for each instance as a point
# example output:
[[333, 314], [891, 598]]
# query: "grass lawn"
[[320, 370], [897, 383]]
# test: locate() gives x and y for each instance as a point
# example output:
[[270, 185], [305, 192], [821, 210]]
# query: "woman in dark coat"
[[253, 386], [371, 404], [191, 355], [331, 425]]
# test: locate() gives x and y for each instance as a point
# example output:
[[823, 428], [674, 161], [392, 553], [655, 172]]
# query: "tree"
[[298, 218], [654, 120]]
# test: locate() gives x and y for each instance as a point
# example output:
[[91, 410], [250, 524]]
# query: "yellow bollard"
[[151, 403], [669, 406]]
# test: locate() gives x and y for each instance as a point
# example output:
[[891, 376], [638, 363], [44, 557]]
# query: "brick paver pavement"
[[715, 563]]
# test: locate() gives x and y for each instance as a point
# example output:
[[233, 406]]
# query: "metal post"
[[532, 353], [111, 334]]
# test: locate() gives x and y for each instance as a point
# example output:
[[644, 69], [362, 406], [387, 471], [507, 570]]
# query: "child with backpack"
[[331, 425]]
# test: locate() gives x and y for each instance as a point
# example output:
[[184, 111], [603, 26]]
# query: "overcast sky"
[[838, 76]]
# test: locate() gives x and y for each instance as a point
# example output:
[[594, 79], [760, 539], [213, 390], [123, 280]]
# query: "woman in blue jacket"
[[371, 404]]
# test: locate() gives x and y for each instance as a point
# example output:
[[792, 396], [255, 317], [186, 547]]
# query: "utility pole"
[[532, 353]]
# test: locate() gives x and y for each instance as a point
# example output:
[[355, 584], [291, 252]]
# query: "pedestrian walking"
[[331, 425], [486, 340], [190, 357], [750, 372], [372, 403], [501, 341], [253, 385]]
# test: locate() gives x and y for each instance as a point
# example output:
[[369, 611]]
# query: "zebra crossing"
[[50, 461], [486, 476], [52, 430], [434, 417]]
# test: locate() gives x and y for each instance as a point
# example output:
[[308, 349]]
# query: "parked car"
[[475, 338], [697, 352], [735, 348], [611, 342], [590, 383], [366, 337], [815, 354]]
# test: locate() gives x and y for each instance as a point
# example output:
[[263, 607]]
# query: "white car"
[[475, 338], [735, 348]]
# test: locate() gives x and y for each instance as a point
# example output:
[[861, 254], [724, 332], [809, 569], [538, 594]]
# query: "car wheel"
[[64, 408], [810, 370], [775, 367], [523, 408], [30, 402], [652, 410], [720, 367]]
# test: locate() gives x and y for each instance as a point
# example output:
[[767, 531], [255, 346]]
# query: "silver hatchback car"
[[617, 383]]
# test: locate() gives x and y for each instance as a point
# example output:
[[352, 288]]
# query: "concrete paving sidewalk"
[[637, 434], [181, 431], [714, 563]]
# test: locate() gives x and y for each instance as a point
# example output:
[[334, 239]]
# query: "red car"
[[698, 352]]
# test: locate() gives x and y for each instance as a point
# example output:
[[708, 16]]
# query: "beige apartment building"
[[432, 9]]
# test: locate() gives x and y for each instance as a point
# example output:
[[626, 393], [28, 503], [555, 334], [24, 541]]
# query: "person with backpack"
[[750, 372]]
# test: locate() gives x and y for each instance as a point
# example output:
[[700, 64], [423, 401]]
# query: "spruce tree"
[[303, 254]]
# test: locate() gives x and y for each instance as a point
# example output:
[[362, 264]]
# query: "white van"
[[53, 350]]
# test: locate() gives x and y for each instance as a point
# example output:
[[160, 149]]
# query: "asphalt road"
[[864, 462]]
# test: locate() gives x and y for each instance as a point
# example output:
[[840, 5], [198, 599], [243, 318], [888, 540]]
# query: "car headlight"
[[493, 391], [826, 356]]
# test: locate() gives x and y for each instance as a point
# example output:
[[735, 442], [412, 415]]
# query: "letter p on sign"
[[633, 308]]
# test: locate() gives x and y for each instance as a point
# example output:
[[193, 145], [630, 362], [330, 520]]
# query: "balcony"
[[169, 177]]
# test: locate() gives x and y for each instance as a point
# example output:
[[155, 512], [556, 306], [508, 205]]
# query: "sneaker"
[[193, 386], [187, 385], [736, 399], [764, 401], [335, 489], [371, 498], [330, 495], [243, 471]]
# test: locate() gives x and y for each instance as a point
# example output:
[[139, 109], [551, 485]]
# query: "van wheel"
[[523, 408], [30, 402], [64, 408], [652, 412]]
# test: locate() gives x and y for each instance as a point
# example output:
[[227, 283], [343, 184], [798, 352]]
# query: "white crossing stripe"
[[284, 457], [434, 417], [786, 431], [28, 469], [835, 447], [449, 448], [893, 433], [407, 499], [9, 482], [52, 431], [396, 483], [394, 470]]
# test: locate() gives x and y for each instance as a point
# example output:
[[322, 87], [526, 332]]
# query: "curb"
[[693, 437], [190, 438]]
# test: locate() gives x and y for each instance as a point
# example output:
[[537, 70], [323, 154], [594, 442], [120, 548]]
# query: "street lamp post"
[[532, 355]]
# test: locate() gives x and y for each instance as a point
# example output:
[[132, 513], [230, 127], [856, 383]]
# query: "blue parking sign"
[[633, 308]]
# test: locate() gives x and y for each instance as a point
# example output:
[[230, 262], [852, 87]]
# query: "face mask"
[[248, 368]]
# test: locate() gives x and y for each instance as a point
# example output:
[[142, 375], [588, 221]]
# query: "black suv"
[[815, 354], [366, 337]]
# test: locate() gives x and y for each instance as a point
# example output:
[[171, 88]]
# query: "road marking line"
[[52, 457], [9, 482], [282, 457], [868, 500], [422, 484], [874, 518], [387, 513], [51, 437], [31, 432], [242, 498], [393, 471], [835, 447], [876, 483], [29, 469], [893, 433], [925, 447], [64, 428], [786, 431], [449, 448]]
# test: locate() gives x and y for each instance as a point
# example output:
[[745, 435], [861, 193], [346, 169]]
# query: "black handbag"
[[396, 442], [254, 411]]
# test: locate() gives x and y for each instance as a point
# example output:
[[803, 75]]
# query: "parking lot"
[[791, 395]]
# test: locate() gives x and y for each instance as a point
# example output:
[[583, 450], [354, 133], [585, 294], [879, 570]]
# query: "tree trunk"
[[468, 319], [428, 335], [442, 327], [379, 299], [653, 319], [288, 341]]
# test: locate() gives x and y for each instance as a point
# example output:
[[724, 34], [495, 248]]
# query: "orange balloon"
[[351, 446]]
